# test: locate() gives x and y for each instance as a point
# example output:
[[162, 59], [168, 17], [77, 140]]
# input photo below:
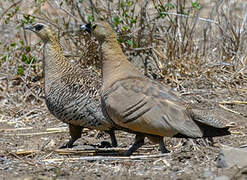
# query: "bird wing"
[[145, 106]]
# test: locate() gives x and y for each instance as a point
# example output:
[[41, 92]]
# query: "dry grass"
[[185, 51], [199, 52]]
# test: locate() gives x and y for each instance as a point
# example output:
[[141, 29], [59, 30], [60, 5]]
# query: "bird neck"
[[115, 64], [54, 62]]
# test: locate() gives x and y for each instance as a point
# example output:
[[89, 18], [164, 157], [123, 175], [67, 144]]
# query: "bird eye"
[[38, 27], [94, 26]]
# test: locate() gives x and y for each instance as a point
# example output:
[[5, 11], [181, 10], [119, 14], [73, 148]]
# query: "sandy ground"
[[30, 137]]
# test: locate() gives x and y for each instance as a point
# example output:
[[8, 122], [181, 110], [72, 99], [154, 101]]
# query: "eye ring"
[[94, 26], [38, 27]]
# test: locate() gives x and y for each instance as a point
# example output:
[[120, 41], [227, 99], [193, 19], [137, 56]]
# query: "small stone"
[[83, 147], [244, 147], [230, 156], [221, 162]]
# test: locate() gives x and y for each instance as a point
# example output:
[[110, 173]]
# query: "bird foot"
[[105, 144], [162, 147], [164, 151], [139, 142], [67, 145], [129, 152]]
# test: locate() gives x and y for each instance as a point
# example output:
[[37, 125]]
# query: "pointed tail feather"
[[209, 118], [210, 124], [208, 131]]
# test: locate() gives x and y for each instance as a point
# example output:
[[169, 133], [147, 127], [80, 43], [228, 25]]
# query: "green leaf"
[[6, 21], [169, 6], [130, 3], [125, 28], [131, 43], [90, 18], [4, 58], [20, 70], [125, 14], [30, 60], [196, 5], [186, 13], [28, 49], [17, 8], [116, 20], [13, 44], [134, 20], [122, 4], [120, 40], [23, 57], [21, 42]]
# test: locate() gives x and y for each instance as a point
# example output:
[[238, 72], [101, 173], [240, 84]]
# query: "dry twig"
[[230, 110], [106, 158], [233, 102]]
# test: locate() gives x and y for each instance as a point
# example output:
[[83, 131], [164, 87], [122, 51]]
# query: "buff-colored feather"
[[143, 105]]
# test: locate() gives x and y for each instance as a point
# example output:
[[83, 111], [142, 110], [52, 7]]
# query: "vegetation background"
[[197, 47]]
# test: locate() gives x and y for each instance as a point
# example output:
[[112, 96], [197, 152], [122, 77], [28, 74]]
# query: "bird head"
[[100, 29], [41, 30]]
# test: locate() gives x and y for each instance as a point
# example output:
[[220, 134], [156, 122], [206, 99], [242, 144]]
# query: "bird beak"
[[86, 27], [28, 27]]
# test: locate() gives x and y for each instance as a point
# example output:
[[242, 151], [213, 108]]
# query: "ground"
[[29, 150], [216, 80]]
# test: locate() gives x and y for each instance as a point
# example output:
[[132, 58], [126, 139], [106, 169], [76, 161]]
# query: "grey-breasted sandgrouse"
[[142, 105], [71, 94]]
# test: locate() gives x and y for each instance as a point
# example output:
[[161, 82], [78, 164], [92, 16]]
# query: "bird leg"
[[75, 133], [113, 138], [159, 140], [162, 146], [139, 141], [106, 144]]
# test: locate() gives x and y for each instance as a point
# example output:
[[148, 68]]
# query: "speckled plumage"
[[71, 93]]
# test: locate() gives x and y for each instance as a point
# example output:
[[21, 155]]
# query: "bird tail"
[[210, 131], [212, 125]]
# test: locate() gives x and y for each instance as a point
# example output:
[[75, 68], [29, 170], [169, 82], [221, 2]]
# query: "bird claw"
[[66, 146], [104, 144], [69, 144], [126, 153]]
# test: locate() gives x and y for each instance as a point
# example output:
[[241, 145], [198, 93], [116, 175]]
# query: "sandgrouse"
[[144, 106], [71, 94]]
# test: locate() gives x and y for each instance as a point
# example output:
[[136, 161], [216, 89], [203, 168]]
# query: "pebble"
[[231, 156]]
